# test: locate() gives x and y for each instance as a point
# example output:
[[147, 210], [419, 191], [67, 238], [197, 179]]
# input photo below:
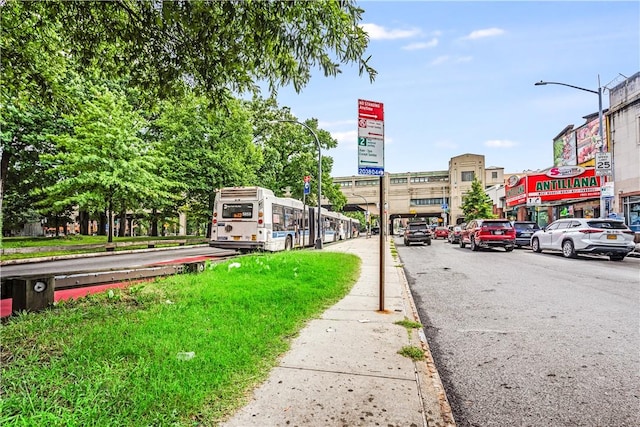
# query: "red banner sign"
[[553, 185]]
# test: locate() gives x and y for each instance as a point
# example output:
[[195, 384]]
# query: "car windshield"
[[496, 224], [617, 225], [526, 226]]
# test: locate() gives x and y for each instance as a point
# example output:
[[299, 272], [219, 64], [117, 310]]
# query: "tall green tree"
[[103, 164], [23, 133], [207, 146], [476, 203]]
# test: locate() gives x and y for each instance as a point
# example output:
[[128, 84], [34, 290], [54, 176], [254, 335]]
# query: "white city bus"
[[253, 218]]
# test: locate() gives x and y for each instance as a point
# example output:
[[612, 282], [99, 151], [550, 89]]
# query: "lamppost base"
[[319, 244]]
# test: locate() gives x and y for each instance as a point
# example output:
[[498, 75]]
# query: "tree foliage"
[[290, 152], [216, 46], [476, 203], [206, 146], [164, 111], [103, 164]]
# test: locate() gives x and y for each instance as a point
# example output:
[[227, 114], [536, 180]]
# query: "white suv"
[[574, 236]]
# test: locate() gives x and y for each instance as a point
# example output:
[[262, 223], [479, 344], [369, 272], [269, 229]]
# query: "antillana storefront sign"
[[553, 185], [559, 183]]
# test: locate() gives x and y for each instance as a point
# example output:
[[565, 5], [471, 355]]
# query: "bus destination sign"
[[370, 138]]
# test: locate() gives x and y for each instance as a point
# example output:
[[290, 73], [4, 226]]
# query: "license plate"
[[526, 234], [236, 237], [498, 232], [419, 233], [612, 236]]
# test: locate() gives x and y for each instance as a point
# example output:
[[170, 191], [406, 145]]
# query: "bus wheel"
[[287, 244]]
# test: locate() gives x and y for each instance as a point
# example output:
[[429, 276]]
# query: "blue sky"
[[458, 77]]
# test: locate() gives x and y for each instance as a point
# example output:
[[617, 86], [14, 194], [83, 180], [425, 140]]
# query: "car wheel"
[[473, 245], [508, 248], [462, 245], [287, 244], [568, 250], [616, 257], [429, 242], [406, 242], [535, 246]]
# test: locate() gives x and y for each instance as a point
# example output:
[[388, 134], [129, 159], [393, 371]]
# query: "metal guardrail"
[[36, 292], [106, 246]]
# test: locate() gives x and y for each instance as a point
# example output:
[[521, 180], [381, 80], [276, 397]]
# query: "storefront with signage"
[[561, 191]]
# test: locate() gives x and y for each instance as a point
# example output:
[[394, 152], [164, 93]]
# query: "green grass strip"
[[112, 359]]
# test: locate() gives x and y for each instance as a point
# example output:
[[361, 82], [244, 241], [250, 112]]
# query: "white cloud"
[[421, 45], [462, 59], [488, 32], [377, 32], [440, 60], [347, 138], [500, 143], [444, 59]]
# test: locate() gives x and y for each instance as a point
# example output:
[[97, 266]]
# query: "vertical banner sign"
[[370, 138]]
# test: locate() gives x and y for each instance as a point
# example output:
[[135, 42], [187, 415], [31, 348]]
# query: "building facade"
[[624, 136], [435, 195]]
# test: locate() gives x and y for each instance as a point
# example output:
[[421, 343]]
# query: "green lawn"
[[114, 358]]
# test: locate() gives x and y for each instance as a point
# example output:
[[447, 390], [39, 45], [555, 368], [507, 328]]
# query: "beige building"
[[624, 137], [435, 195]]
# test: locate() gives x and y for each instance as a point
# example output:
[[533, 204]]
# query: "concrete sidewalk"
[[344, 368]]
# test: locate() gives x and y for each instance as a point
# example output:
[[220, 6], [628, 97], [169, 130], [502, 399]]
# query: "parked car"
[[524, 231], [454, 234], [573, 236], [417, 232], [441, 232], [486, 233]]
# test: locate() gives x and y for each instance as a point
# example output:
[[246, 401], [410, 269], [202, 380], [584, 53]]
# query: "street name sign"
[[370, 138]]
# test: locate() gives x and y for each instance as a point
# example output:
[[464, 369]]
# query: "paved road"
[[525, 339], [114, 260]]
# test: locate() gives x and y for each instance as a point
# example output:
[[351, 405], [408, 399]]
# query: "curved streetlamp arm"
[[542, 83], [319, 237], [367, 216]]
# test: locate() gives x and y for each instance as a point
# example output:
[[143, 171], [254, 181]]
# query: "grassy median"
[[179, 351]]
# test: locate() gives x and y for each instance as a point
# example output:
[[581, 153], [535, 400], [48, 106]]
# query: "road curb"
[[437, 408]]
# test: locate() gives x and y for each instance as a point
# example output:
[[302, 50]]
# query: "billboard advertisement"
[[565, 150], [564, 182], [515, 191], [588, 142]]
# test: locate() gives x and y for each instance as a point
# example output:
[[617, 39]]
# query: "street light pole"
[[319, 236], [367, 217], [600, 127]]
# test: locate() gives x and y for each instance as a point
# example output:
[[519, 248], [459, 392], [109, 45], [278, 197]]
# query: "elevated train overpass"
[[435, 196]]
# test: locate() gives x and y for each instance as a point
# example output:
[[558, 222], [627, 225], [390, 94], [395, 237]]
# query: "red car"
[[441, 232], [489, 233]]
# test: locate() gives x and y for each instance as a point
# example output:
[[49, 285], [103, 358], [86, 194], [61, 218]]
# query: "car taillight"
[[629, 232], [260, 215], [215, 218], [590, 231]]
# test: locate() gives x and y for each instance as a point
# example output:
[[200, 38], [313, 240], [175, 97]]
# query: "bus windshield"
[[237, 210]]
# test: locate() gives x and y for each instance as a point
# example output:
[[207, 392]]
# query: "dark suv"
[[524, 231], [486, 233], [417, 232]]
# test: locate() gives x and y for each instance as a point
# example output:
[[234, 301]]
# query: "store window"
[[631, 207]]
